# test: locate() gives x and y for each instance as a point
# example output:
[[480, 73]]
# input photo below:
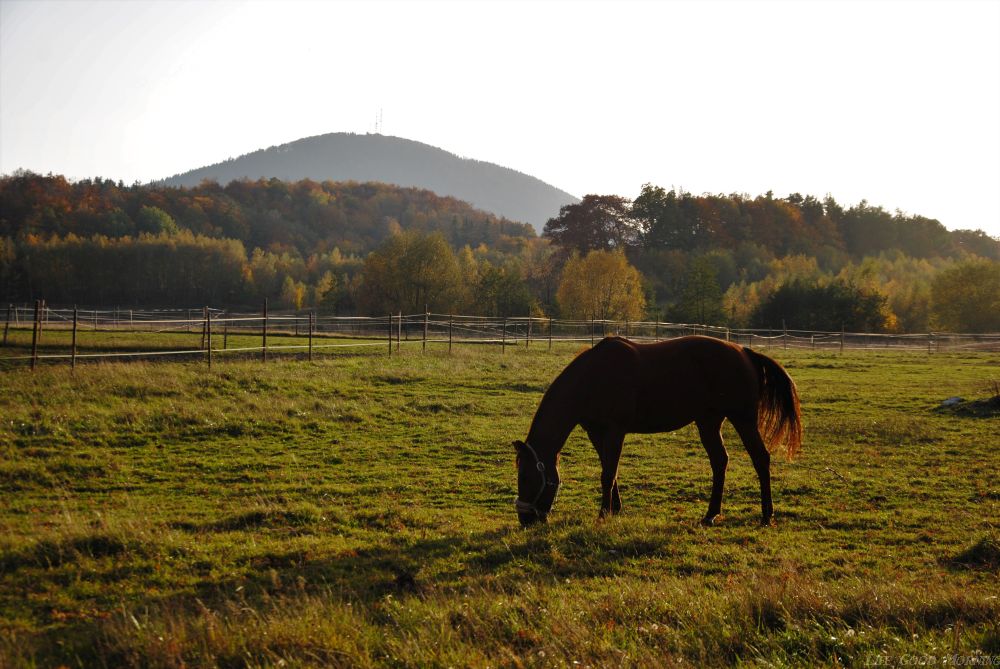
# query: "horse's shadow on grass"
[[424, 565], [402, 559]]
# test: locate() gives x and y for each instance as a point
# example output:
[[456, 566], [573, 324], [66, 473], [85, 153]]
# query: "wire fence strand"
[[135, 334]]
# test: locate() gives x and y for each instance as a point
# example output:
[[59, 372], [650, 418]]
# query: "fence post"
[[208, 329], [527, 341], [550, 333], [72, 359], [131, 321], [399, 331], [264, 333], [451, 324], [841, 338], [95, 319], [426, 320], [204, 327], [784, 335], [6, 326], [34, 336], [312, 324], [593, 326], [503, 337], [225, 334]]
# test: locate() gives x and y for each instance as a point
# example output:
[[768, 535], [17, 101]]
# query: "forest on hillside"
[[357, 248]]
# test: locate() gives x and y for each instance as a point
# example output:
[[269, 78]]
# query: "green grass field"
[[357, 511]]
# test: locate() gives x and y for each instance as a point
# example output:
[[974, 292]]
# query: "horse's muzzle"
[[525, 507]]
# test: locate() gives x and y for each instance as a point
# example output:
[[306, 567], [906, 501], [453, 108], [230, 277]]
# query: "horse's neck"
[[557, 413], [549, 436]]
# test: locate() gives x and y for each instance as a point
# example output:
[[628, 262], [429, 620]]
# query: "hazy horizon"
[[897, 103]]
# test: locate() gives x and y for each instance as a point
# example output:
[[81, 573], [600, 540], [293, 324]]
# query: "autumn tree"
[[867, 229], [410, 271], [598, 222], [154, 221], [8, 269], [501, 291], [292, 293], [601, 285], [326, 292], [701, 301], [666, 220], [540, 268], [825, 307], [966, 298]]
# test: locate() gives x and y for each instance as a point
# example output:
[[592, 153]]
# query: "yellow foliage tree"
[[601, 285], [966, 297], [409, 272]]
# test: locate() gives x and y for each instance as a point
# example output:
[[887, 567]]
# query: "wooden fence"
[[55, 334]]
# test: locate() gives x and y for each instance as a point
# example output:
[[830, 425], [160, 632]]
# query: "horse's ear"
[[518, 445]]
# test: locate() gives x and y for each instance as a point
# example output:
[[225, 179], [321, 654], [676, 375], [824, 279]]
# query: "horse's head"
[[537, 484]]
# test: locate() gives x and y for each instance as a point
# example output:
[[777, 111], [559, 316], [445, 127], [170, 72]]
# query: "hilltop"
[[393, 160]]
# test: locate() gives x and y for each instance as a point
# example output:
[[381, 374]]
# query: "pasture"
[[357, 511]]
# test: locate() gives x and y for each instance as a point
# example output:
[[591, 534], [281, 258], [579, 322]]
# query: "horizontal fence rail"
[[42, 333]]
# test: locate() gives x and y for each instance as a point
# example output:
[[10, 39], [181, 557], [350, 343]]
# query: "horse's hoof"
[[710, 521], [768, 522]]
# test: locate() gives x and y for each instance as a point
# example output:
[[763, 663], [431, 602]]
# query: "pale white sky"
[[897, 102]]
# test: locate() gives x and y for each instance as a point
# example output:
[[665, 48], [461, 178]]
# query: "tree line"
[[302, 217], [350, 248], [662, 220], [798, 261]]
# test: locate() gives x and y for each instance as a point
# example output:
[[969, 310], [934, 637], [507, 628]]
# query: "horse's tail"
[[779, 418]]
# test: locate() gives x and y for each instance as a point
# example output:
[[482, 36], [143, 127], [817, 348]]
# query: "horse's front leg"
[[710, 432], [608, 444], [616, 499]]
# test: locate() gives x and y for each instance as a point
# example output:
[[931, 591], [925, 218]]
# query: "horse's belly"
[[655, 424]]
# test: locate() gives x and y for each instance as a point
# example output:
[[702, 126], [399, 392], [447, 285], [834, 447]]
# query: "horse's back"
[[665, 385]]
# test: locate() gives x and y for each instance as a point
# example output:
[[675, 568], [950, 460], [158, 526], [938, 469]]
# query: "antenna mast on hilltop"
[[378, 122]]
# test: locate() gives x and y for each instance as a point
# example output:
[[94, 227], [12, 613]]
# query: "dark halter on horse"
[[532, 506]]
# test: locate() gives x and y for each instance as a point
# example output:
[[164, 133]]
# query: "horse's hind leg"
[[710, 431], [752, 441]]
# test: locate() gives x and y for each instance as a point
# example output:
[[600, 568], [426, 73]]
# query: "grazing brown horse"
[[619, 387]]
